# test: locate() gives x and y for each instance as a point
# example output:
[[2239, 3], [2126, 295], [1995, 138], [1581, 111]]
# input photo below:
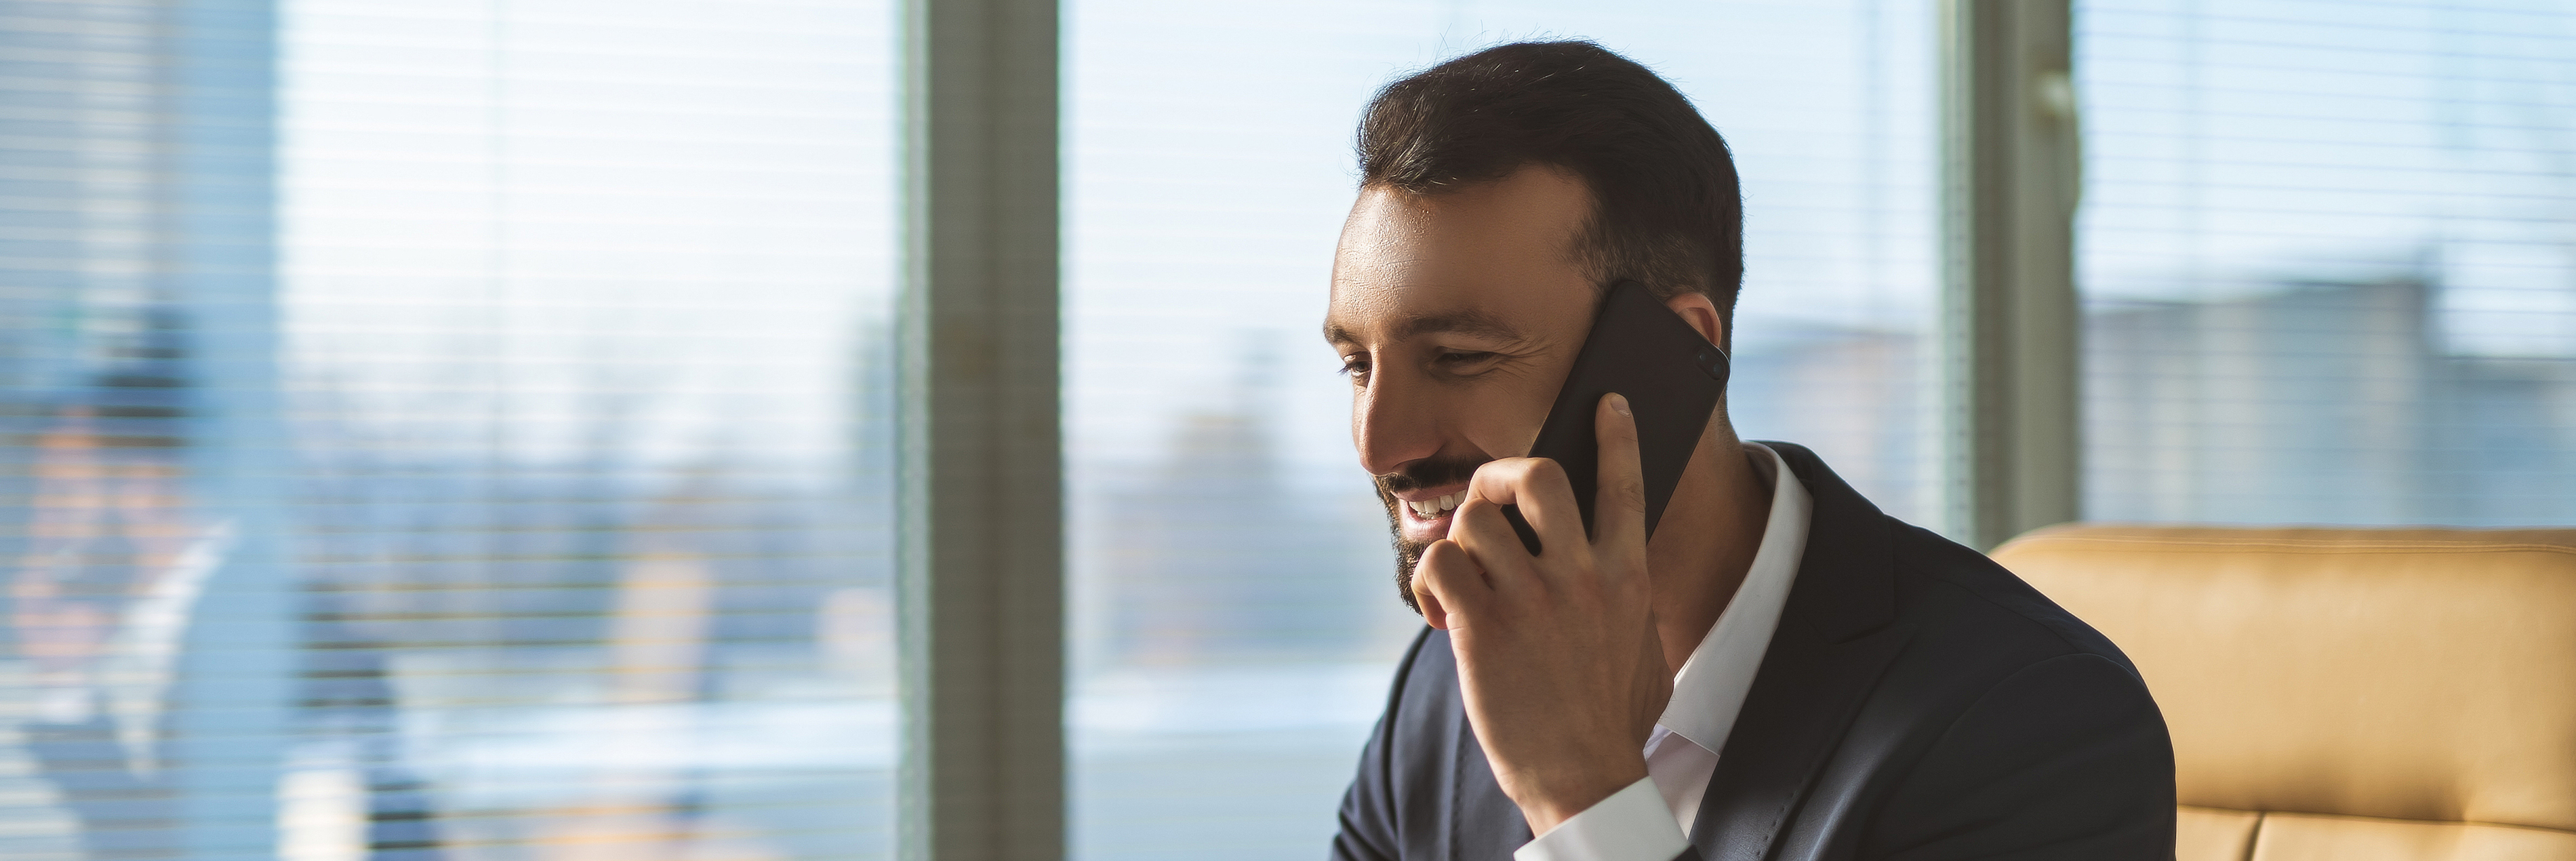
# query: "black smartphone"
[[1672, 378]]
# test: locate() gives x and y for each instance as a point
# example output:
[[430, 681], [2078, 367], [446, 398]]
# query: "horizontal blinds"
[[443, 431], [1233, 617], [2329, 261]]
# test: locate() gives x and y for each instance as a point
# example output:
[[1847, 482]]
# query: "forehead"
[[1495, 255]]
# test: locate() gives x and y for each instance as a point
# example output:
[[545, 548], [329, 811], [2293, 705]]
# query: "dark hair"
[[1665, 208]]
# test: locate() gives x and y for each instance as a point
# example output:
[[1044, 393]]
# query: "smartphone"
[[1672, 378]]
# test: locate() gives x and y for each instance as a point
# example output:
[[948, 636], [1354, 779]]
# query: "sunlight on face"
[[1456, 316]]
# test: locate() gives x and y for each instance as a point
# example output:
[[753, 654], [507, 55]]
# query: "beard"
[[1427, 472]]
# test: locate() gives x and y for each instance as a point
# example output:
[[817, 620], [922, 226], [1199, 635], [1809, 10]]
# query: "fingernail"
[[1619, 403]]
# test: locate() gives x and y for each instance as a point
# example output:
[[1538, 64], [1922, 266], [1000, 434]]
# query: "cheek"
[[1359, 408], [1504, 416]]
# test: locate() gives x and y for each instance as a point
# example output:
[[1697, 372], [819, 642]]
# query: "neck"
[[1706, 540]]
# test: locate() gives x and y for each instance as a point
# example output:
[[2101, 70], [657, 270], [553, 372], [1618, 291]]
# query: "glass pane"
[[2329, 261], [1233, 623], [446, 431]]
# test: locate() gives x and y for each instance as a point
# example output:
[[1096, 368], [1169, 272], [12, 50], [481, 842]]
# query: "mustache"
[[1429, 472]]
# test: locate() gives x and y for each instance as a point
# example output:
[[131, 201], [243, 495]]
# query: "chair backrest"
[[2352, 694]]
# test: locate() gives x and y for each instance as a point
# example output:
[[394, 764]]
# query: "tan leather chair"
[[2350, 694]]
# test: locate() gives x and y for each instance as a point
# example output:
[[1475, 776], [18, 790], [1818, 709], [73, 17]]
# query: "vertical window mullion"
[[2009, 328], [981, 502]]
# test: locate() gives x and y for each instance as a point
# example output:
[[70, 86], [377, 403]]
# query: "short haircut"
[[1666, 209]]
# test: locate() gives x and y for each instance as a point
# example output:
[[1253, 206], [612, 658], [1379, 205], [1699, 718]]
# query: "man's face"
[[1457, 317]]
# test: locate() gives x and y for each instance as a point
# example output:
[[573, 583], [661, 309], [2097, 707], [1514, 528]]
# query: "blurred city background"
[[464, 430]]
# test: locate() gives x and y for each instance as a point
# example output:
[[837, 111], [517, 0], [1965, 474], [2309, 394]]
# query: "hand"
[[1557, 654]]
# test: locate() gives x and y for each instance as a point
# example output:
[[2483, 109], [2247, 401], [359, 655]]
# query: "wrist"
[[1549, 799]]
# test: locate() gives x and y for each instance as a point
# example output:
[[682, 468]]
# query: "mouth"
[[1428, 512], [1422, 498]]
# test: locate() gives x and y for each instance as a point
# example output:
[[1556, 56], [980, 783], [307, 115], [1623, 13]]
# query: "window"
[[466, 431], [447, 431], [1233, 623], [2329, 262]]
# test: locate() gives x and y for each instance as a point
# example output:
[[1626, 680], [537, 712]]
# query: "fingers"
[[1426, 600], [1619, 503], [1445, 580], [1489, 540], [1546, 499]]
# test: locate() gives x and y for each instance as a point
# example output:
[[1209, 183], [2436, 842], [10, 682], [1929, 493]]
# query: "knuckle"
[[1436, 562], [1628, 492], [1545, 469]]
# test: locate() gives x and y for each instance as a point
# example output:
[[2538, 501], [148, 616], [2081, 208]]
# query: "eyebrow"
[[1459, 322]]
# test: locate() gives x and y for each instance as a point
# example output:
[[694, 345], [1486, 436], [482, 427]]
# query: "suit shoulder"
[[1946, 588], [1400, 804]]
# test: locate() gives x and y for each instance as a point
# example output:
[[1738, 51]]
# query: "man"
[[1783, 671]]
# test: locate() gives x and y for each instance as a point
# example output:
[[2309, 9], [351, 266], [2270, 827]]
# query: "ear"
[[1700, 313]]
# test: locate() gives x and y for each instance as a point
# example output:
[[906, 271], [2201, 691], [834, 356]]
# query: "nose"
[[1392, 424]]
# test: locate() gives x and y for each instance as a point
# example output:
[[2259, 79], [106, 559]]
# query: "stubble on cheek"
[[1407, 553]]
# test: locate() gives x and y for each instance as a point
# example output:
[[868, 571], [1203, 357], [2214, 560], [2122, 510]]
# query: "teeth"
[[1430, 508]]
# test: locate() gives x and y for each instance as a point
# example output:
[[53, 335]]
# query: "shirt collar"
[[1712, 684]]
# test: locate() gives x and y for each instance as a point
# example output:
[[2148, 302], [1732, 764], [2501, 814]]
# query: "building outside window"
[[445, 431], [2328, 257]]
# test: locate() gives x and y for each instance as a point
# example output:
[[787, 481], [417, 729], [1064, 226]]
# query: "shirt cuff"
[[1632, 824]]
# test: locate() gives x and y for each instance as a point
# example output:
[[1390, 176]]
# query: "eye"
[[1356, 367], [1462, 361]]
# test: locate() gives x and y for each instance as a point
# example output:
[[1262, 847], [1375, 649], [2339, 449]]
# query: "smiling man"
[[1783, 671]]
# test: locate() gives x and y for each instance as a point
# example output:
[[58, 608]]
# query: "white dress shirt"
[[1647, 821]]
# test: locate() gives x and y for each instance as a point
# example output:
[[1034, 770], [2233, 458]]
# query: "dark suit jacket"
[[1917, 702]]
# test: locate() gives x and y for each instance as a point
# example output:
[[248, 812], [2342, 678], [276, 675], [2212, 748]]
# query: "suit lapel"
[[1833, 641], [1486, 824], [1799, 706]]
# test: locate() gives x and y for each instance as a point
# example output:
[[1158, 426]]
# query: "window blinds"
[[2329, 261], [446, 430]]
